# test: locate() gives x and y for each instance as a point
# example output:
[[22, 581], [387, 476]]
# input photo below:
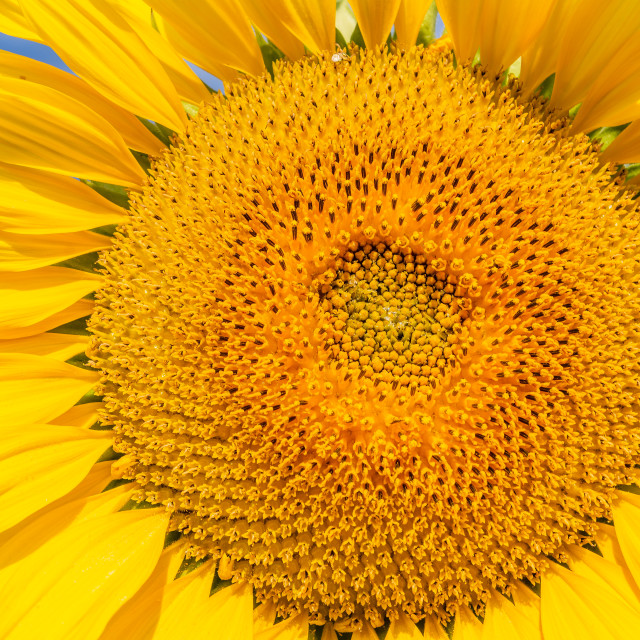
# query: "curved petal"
[[133, 132], [78, 579], [33, 201], [99, 45], [74, 311], [409, 19], [366, 633], [626, 520], [37, 389], [264, 616], [294, 628], [81, 415], [29, 297], [375, 18], [217, 32], [626, 146], [45, 129], [59, 346], [13, 22], [467, 626], [574, 607], [21, 252], [41, 463], [263, 16], [592, 38], [433, 629], [503, 619], [462, 21], [403, 629]]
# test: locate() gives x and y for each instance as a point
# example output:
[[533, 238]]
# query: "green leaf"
[[606, 135], [427, 33], [345, 21], [115, 193]]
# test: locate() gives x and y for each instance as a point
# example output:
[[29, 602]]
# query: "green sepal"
[[191, 110], [356, 37], [427, 33], [75, 327], [606, 135], [164, 134], [115, 193], [633, 170], [345, 22], [545, 88], [340, 41], [105, 230], [110, 455], [86, 262], [270, 53]]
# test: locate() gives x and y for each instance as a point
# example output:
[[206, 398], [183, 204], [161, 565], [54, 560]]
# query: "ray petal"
[[626, 520], [98, 44], [41, 463], [409, 19], [45, 129], [13, 21], [375, 18], [59, 346], [294, 628], [467, 626], [503, 619], [36, 389], [403, 629], [574, 607], [79, 578], [626, 147], [462, 21]]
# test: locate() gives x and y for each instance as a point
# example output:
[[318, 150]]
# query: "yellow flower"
[[359, 354]]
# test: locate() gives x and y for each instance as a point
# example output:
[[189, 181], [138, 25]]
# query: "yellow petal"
[[598, 569], [375, 18], [75, 582], [409, 19], [133, 132], [29, 297], [462, 21], [187, 84], [40, 463], [270, 22], [591, 39], [217, 32], [77, 310], [229, 610], [37, 389], [45, 129], [294, 628], [99, 45], [403, 629], [366, 633], [21, 252], [13, 22], [59, 346], [626, 147], [507, 29], [626, 520], [575, 608], [264, 616], [433, 629], [467, 626], [38, 202], [85, 501], [81, 415], [328, 632], [503, 619], [313, 23]]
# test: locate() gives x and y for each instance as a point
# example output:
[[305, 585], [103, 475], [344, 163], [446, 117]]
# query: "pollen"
[[370, 335]]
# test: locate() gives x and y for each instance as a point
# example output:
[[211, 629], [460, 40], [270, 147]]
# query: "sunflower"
[[346, 351]]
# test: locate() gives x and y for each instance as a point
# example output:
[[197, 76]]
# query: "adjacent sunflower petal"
[[81, 415], [37, 389], [39, 202], [294, 628], [13, 22], [366, 633], [133, 132], [99, 45], [540, 59], [592, 38], [59, 346], [467, 626], [433, 629], [375, 18], [29, 297], [626, 520], [462, 21], [403, 629], [574, 607], [270, 22], [217, 32], [328, 633], [626, 146], [45, 129], [21, 252], [264, 616], [504, 620], [41, 463], [79, 309], [78, 579], [409, 19]]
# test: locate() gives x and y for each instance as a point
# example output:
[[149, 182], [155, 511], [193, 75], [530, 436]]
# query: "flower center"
[[395, 317], [370, 334]]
